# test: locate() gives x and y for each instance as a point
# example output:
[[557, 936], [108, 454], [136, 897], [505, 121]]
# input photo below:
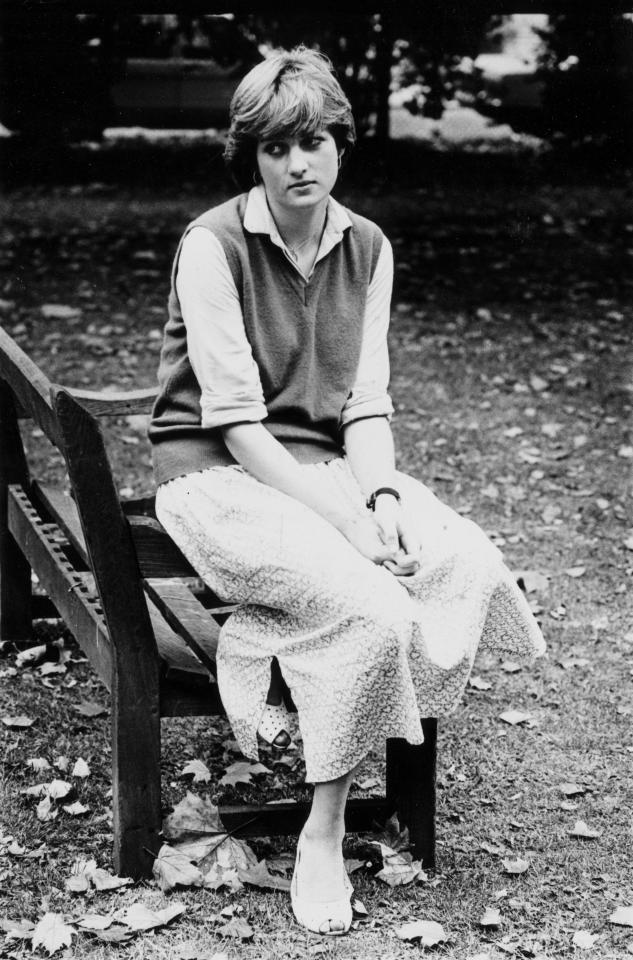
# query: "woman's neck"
[[297, 228]]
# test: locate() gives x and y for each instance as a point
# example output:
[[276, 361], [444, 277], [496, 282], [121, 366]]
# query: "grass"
[[512, 313]]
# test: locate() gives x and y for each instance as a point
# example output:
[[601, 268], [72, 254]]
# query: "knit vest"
[[305, 338]]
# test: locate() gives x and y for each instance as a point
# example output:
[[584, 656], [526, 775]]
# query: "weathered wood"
[[270, 819], [59, 507], [28, 383], [411, 789], [136, 666], [187, 617], [115, 404], [15, 572], [73, 598], [157, 554]]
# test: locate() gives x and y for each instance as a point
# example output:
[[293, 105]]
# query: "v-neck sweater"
[[305, 336]]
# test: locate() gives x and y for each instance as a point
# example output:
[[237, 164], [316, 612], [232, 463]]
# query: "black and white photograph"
[[316, 480]]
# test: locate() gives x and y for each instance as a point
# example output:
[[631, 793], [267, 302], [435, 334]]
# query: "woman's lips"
[[304, 183]]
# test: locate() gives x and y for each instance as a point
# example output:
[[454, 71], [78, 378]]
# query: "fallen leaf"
[[580, 829], [242, 772], [89, 708], [515, 866], [370, 783], [139, 917], [572, 789], [114, 934], [172, 869], [38, 764], [236, 928], [428, 932], [575, 571], [478, 683], [626, 452], [538, 384], [222, 865], [18, 723], [359, 908], [258, 876], [509, 666], [514, 717], [58, 789], [31, 656], [45, 810], [81, 768], [351, 865], [532, 580], [95, 921], [491, 918], [192, 816], [623, 916], [86, 873], [59, 311], [399, 868], [584, 940], [76, 809], [52, 933], [200, 771], [17, 929]]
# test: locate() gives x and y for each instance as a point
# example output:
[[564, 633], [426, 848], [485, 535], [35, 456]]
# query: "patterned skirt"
[[364, 653]]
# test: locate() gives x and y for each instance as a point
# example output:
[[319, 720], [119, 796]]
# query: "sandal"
[[273, 726], [319, 915]]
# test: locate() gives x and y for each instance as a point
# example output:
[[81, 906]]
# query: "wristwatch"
[[371, 499]]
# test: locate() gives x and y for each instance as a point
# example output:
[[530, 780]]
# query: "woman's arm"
[[255, 448]]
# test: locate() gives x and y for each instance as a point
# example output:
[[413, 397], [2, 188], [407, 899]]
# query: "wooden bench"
[[141, 615]]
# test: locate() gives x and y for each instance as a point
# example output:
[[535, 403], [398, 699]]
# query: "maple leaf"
[[584, 940], [38, 764], [491, 918], [192, 816], [580, 829], [76, 809], [81, 769], [200, 771], [428, 932], [236, 928], [58, 789], [89, 708], [515, 866], [139, 917], [258, 876], [242, 772], [45, 810], [52, 933], [17, 929], [623, 916], [478, 683], [515, 717], [95, 921], [18, 723], [172, 868]]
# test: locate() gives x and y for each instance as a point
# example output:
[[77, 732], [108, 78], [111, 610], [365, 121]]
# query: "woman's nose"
[[297, 162]]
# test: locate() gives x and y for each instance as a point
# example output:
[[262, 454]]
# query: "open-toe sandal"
[[319, 916], [273, 726]]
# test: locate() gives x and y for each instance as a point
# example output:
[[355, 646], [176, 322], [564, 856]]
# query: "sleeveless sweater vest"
[[305, 337]]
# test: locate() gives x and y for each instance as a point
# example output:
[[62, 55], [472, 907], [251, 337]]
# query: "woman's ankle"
[[324, 831]]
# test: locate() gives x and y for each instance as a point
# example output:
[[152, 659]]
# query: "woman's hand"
[[398, 533], [363, 534]]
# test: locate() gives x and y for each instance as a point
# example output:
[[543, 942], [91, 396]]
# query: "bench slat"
[[186, 616], [32, 389], [119, 404]]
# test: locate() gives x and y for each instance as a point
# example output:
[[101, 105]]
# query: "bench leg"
[[411, 790], [15, 572], [135, 781]]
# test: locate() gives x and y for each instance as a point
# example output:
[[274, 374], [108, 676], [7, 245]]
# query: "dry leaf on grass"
[[221, 867], [52, 933], [242, 772], [193, 816], [45, 811], [490, 918], [584, 940], [138, 917], [17, 929], [76, 809], [86, 874], [515, 717], [428, 932], [623, 917], [197, 769], [399, 868], [515, 866], [173, 869], [95, 921], [38, 764], [572, 789], [18, 723], [81, 768], [580, 829], [259, 876], [89, 708], [478, 683], [237, 929], [532, 581]]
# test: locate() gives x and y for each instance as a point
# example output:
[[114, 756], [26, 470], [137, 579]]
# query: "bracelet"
[[371, 499]]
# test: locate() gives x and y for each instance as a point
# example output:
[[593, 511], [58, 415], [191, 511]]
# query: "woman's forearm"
[[255, 448], [370, 453]]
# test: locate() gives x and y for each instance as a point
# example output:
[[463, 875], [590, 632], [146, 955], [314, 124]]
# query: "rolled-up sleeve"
[[369, 396], [219, 351]]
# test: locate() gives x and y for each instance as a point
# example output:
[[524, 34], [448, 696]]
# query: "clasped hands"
[[387, 536]]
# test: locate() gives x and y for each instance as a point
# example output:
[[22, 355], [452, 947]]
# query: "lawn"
[[512, 379]]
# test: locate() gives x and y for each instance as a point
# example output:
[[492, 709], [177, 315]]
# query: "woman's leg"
[[320, 874]]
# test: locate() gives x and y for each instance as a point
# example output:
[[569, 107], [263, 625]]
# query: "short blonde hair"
[[290, 93]]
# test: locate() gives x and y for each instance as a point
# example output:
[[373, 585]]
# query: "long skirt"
[[365, 653]]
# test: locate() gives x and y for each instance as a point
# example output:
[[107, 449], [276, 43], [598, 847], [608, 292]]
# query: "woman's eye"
[[312, 143], [274, 149]]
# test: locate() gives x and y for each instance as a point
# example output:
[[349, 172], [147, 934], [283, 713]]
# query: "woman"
[[275, 468]]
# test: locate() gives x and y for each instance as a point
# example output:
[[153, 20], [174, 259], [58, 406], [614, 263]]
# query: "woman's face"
[[298, 172]]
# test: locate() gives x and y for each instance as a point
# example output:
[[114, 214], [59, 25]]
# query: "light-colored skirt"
[[365, 653]]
